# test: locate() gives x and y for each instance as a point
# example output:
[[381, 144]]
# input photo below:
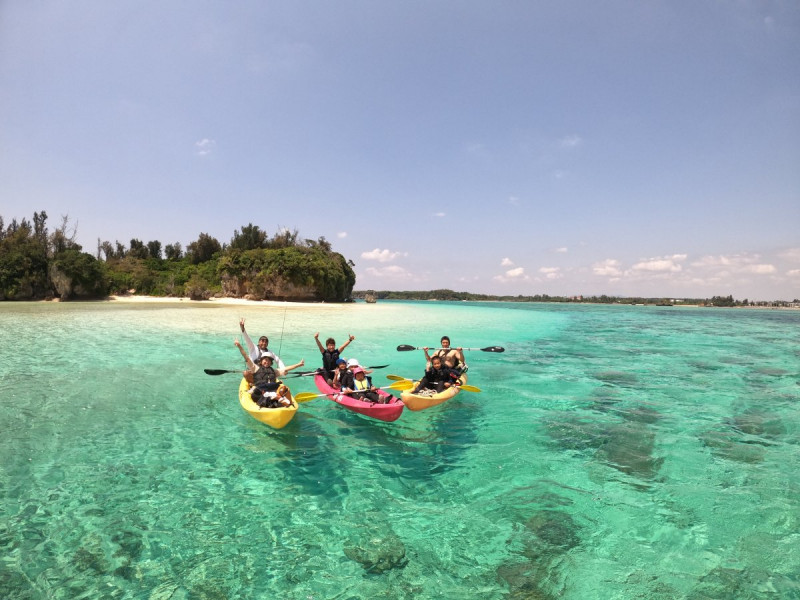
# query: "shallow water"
[[614, 452]]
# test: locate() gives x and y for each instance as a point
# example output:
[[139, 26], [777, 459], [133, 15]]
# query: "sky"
[[561, 147]]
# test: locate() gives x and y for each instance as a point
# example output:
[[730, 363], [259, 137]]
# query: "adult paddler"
[[256, 352], [451, 357]]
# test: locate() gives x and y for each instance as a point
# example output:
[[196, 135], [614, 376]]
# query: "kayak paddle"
[[306, 396], [220, 371], [406, 348], [310, 373]]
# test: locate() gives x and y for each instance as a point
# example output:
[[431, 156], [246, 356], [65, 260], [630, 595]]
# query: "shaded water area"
[[614, 452]]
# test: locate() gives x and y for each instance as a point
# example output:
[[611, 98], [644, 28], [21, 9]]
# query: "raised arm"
[[249, 361], [427, 358], [350, 338], [460, 355], [285, 370], [251, 347], [319, 344]]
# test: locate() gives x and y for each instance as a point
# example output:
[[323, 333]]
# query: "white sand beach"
[[133, 298]]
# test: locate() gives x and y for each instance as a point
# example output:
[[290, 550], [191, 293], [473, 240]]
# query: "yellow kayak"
[[416, 402], [274, 417]]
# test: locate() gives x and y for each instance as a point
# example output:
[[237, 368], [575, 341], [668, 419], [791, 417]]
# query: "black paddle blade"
[[493, 349], [218, 371], [405, 348]]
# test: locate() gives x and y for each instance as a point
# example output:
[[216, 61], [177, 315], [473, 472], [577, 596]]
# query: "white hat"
[[352, 363]]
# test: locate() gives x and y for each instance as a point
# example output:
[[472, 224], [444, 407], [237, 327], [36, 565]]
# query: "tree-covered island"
[[38, 264]]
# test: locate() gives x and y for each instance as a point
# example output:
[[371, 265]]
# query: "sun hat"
[[341, 361], [357, 370], [352, 363]]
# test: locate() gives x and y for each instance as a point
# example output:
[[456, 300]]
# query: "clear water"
[[614, 452]]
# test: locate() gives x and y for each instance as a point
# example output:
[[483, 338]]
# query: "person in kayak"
[[330, 354], [263, 376], [362, 388], [256, 352], [277, 399], [342, 377], [452, 357], [438, 377]]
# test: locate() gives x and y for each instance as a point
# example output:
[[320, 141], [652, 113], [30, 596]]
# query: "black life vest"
[[264, 376], [329, 360], [444, 375]]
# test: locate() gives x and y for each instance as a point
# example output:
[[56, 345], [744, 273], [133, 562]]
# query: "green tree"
[[203, 249], [138, 249], [251, 238], [154, 249], [23, 264], [76, 273], [173, 251], [63, 238]]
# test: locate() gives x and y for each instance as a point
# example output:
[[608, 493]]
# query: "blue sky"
[[560, 147]]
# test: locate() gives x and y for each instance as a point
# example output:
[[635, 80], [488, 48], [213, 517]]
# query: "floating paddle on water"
[[406, 348], [464, 386], [306, 396], [220, 371]]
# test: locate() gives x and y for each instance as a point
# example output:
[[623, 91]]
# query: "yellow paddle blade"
[[469, 388], [405, 384], [306, 396], [397, 378]]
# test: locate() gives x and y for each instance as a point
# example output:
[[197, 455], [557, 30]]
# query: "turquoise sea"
[[614, 452]]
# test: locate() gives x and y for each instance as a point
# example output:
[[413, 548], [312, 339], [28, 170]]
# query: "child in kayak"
[[438, 377], [342, 377], [362, 388], [330, 354]]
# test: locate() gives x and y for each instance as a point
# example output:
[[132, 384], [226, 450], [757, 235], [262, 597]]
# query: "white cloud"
[[204, 147], [513, 200], [759, 269], [608, 268], [570, 141], [390, 272], [439, 214], [341, 234], [727, 265], [562, 250], [551, 272], [517, 274], [790, 254], [506, 262], [793, 273], [381, 255], [657, 264]]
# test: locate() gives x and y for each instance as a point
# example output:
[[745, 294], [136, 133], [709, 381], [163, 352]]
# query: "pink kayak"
[[382, 412]]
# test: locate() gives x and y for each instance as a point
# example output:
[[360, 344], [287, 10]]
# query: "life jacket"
[[445, 374], [346, 379], [329, 360], [264, 376], [361, 386]]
